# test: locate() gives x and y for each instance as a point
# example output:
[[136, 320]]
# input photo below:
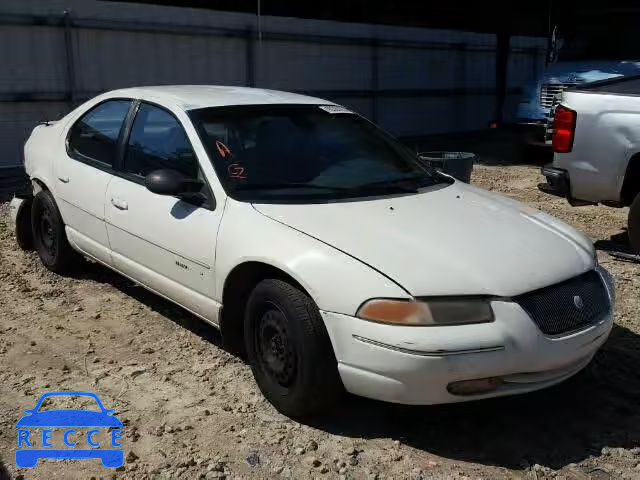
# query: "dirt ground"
[[192, 410]]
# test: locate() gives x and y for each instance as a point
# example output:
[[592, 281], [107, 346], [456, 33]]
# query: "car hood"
[[69, 418], [447, 240]]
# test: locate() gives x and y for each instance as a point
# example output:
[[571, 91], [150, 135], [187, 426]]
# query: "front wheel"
[[49, 237], [289, 350]]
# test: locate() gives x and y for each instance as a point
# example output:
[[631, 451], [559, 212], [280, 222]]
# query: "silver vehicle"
[[596, 143]]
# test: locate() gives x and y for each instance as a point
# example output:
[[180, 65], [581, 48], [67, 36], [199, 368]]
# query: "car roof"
[[189, 97]]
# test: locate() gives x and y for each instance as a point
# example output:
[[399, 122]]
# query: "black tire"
[[24, 232], [49, 237], [633, 224], [289, 350]]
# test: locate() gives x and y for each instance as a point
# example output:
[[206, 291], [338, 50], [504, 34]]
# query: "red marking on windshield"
[[236, 171], [223, 150]]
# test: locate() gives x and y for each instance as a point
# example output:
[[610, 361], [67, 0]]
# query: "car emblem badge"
[[577, 301]]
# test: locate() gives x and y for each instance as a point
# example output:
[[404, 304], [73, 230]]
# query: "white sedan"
[[318, 244]]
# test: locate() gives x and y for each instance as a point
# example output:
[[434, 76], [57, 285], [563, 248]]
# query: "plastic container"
[[457, 164]]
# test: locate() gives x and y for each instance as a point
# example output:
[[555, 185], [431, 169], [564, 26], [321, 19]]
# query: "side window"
[[95, 135], [157, 140]]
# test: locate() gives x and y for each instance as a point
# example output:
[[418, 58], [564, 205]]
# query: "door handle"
[[119, 204], [64, 179]]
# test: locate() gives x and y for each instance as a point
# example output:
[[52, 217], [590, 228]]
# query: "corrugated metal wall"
[[412, 81]]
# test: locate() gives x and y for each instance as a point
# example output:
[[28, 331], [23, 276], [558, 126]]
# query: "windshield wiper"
[[385, 185], [399, 183], [282, 186]]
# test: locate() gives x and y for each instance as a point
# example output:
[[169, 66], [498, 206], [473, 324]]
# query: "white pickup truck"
[[596, 144]]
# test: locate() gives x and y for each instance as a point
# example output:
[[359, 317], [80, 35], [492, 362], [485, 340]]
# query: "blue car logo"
[[66, 418]]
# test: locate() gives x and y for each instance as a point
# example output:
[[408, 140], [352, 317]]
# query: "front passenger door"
[[163, 242]]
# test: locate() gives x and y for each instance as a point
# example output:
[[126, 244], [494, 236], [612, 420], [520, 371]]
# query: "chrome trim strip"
[[435, 353]]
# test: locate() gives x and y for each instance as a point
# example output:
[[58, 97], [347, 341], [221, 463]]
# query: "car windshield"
[[306, 153]]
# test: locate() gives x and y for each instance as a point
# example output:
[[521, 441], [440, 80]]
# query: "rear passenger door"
[[166, 243], [84, 171]]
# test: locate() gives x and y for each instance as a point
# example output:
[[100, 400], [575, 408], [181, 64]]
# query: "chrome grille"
[[567, 306], [550, 93]]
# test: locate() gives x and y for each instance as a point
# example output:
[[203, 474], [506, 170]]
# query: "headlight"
[[436, 311]]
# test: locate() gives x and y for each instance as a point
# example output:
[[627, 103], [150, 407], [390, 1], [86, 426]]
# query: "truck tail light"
[[564, 129]]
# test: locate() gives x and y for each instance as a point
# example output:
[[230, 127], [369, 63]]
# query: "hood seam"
[[335, 248]]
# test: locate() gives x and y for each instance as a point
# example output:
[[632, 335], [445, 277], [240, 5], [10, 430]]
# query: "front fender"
[[336, 281]]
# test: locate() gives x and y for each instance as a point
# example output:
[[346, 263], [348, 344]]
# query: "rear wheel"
[[289, 350], [49, 237], [633, 224]]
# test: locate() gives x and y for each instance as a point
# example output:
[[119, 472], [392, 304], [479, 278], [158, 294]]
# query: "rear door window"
[[94, 137]]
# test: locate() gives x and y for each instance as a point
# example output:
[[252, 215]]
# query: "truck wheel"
[[49, 237], [289, 350], [633, 224]]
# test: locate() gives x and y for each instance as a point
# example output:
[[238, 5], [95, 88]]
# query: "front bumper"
[[20, 213], [415, 365], [15, 207]]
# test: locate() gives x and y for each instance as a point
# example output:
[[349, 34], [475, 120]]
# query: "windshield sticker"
[[223, 150], [236, 171], [334, 109]]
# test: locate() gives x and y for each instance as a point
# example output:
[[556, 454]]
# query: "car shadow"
[[554, 427], [618, 242], [96, 272], [4, 474], [564, 424]]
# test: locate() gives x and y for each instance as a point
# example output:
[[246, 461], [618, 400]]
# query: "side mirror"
[[166, 181]]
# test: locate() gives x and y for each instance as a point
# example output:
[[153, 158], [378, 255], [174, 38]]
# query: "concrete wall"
[[412, 81]]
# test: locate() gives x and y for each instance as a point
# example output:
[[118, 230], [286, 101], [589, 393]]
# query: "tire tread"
[[66, 257], [323, 387]]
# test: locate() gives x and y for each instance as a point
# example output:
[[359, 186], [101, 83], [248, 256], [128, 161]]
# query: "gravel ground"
[[192, 410]]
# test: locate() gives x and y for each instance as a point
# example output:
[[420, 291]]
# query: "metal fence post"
[[463, 84], [68, 47], [375, 80], [250, 59], [534, 55], [503, 49]]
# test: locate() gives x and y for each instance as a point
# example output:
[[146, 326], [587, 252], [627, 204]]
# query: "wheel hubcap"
[[275, 348], [47, 234]]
